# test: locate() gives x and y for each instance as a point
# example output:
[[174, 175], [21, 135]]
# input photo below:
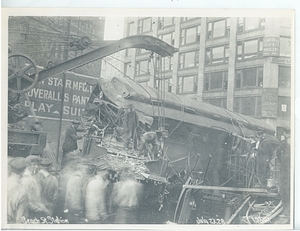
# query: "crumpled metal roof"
[[145, 99]]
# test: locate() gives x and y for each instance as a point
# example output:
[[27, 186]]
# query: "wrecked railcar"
[[214, 152]]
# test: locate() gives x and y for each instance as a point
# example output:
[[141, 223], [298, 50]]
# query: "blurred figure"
[[17, 200], [65, 174], [96, 196], [49, 185], [9, 159], [70, 156], [36, 207], [126, 195], [75, 193], [130, 123]]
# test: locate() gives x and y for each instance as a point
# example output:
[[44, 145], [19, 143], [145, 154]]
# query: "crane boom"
[[138, 41]]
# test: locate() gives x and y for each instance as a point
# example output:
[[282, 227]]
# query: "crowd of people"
[[31, 190], [85, 192]]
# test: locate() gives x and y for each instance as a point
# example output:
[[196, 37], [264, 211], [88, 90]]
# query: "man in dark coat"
[[284, 153], [264, 155], [71, 137], [130, 123]]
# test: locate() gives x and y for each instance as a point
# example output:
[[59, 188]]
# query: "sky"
[[114, 27]]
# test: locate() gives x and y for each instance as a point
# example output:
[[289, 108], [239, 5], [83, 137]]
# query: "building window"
[[248, 105], [285, 46], [164, 64], [284, 107], [219, 102], [249, 77], [165, 85], [145, 25], [248, 24], [216, 81], [218, 54], [130, 30], [165, 22], [129, 52], [143, 84], [168, 38], [284, 76], [187, 84], [189, 59], [167, 63], [190, 35], [250, 49], [218, 29], [142, 67]]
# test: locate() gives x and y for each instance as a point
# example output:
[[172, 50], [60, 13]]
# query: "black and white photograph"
[[147, 117]]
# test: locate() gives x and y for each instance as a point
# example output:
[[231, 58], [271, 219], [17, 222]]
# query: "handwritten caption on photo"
[[44, 220]]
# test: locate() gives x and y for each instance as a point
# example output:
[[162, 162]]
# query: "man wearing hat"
[[17, 200], [30, 183], [96, 196], [49, 185], [71, 137]]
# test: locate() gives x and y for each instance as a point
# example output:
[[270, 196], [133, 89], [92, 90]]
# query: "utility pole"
[[65, 58]]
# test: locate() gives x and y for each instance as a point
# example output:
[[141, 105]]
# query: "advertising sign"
[[269, 102], [56, 96], [281, 60], [271, 46]]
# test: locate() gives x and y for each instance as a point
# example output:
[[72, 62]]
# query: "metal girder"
[[234, 189], [138, 41]]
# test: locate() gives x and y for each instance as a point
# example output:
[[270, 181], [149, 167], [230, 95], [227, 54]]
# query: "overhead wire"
[[40, 32], [92, 36], [62, 42]]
